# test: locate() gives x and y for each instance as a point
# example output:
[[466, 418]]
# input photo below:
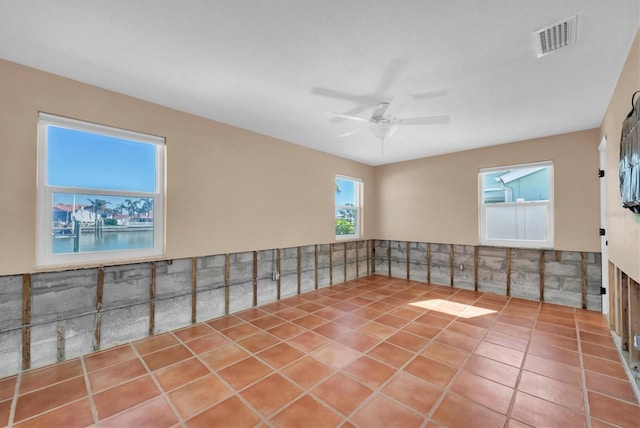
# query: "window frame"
[[45, 257], [358, 198], [548, 243]]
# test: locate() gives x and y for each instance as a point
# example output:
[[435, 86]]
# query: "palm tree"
[[132, 207], [97, 206], [147, 206]]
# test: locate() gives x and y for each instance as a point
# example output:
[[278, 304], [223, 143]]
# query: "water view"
[[107, 241]]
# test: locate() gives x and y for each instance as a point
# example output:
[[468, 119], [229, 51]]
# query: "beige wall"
[[623, 231], [436, 199], [228, 190]]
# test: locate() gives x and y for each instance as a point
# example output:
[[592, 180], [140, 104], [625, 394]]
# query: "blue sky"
[[347, 192], [84, 159]]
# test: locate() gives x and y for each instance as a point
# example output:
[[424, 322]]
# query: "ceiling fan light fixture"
[[383, 130]]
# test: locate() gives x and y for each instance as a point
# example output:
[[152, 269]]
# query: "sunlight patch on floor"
[[453, 308]]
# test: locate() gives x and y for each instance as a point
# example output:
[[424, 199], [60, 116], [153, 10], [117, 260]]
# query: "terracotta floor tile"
[[564, 322], [166, 357], [466, 329], [155, 412], [597, 423], [193, 332], [541, 337], [392, 320], [500, 353], [383, 412], [309, 341], [342, 393], [457, 340], [507, 341], [538, 412], [483, 391], [445, 353], [244, 372], [289, 313], [557, 392], [240, 331], [613, 411], [367, 313], [5, 411], [474, 415], [76, 414], [553, 369], [597, 339], [408, 341], [270, 394], [377, 330], [554, 353], [258, 342], [309, 307], [422, 330], [155, 343], [352, 321], [595, 329], [332, 330], [50, 397], [225, 322], [483, 321], [346, 306], [431, 370], [116, 374], [369, 371], [556, 329], [38, 378], [307, 372], [433, 321], [251, 314], [329, 313], [511, 330], [611, 386], [280, 355], [7, 387], [608, 367], [306, 412], [335, 355], [232, 409], [267, 322], [108, 357], [494, 370], [224, 356], [358, 341], [286, 330], [124, 396], [178, 374], [199, 394], [413, 392], [391, 354], [275, 307], [600, 351], [309, 321], [206, 343]]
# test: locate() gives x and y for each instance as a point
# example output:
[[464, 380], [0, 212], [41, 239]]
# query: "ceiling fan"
[[384, 120]]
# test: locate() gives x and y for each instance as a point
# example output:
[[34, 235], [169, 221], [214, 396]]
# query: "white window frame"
[[358, 194], [549, 204], [44, 206]]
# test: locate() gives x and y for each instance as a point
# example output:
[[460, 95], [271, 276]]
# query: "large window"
[[516, 205], [100, 193], [348, 220]]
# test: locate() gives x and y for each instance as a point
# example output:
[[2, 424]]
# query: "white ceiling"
[[277, 67]]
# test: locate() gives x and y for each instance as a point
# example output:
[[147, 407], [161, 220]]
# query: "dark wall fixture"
[[630, 158]]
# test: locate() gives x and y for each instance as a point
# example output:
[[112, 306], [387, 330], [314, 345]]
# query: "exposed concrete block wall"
[[567, 278], [75, 312]]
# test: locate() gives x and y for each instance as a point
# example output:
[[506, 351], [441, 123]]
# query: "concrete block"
[[525, 290], [562, 269], [572, 285], [492, 251], [79, 335], [267, 291], [563, 298], [126, 285], [594, 302], [57, 295], [124, 325], [571, 256], [10, 302], [382, 265], [289, 285], [351, 270], [441, 274], [210, 272], [399, 268], [338, 274], [172, 313], [240, 296], [43, 344], [418, 270], [174, 278], [210, 304], [307, 281], [241, 268], [492, 262], [323, 277], [363, 268], [10, 352]]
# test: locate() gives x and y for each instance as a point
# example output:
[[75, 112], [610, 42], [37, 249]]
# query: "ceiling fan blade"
[[427, 120], [354, 132], [398, 102], [348, 116], [330, 93]]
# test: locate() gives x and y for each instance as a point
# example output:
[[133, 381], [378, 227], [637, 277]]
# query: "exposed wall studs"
[[408, 260], [508, 272], [429, 262], [330, 264], [299, 269], [278, 282], [475, 268], [452, 267], [227, 280], [194, 289], [558, 255], [152, 300], [344, 245], [371, 261], [389, 257], [98, 322], [316, 265], [255, 278], [60, 354], [583, 271], [357, 260], [26, 320], [542, 276]]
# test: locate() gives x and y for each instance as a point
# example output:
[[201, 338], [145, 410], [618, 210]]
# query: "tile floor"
[[372, 352]]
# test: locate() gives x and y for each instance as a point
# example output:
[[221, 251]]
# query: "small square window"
[[516, 205], [100, 193], [348, 211]]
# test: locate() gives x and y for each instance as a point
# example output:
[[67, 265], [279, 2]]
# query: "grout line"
[[16, 395], [92, 404], [583, 378]]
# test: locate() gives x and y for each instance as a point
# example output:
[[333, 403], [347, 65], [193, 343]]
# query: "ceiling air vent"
[[556, 36]]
